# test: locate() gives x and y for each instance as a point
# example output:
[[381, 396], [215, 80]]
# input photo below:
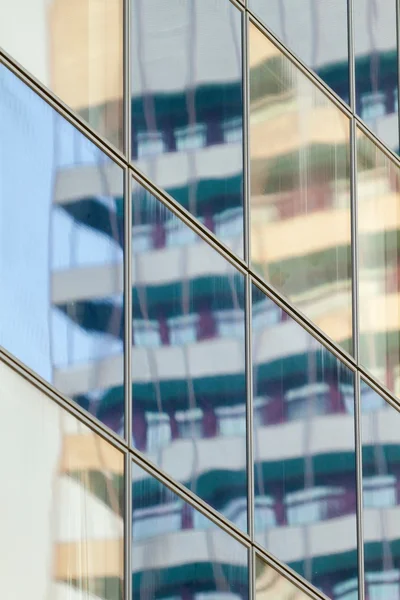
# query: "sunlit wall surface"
[[193, 281]]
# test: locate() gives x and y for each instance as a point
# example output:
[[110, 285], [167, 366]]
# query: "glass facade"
[[199, 311]]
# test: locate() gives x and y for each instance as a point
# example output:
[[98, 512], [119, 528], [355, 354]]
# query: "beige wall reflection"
[[300, 190], [271, 585]]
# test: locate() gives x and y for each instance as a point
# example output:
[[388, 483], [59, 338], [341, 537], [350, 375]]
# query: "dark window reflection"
[[187, 107], [61, 260], [177, 552], [315, 31], [189, 384], [305, 485], [381, 495], [376, 67]]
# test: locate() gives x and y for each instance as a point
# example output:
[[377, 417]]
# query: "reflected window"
[[190, 423], [233, 130], [183, 329], [347, 393], [229, 323], [346, 590], [264, 514], [379, 491], [146, 333], [156, 520], [191, 137], [383, 586], [373, 106], [231, 420], [158, 431], [265, 314], [229, 223], [313, 505], [176, 235], [150, 143], [308, 401], [143, 236]]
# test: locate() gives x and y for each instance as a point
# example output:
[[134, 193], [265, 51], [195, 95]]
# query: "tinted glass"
[[378, 188], [61, 220], [305, 482], [376, 67], [189, 383], [177, 553], [74, 47], [187, 107], [315, 32], [62, 507], [271, 585], [300, 190], [380, 456]]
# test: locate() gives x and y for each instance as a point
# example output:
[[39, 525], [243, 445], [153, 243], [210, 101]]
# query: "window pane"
[[61, 207], [74, 47], [378, 189], [271, 585], [315, 32], [62, 508], [189, 386], [187, 103], [304, 451], [179, 554], [376, 67], [381, 487], [300, 190]]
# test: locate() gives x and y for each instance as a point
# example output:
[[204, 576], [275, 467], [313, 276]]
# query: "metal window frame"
[[123, 159]]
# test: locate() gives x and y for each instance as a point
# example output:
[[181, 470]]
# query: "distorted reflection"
[[189, 383], [187, 107], [381, 495], [378, 190], [177, 552], [70, 543], [376, 67], [300, 190], [271, 585], [61, 300], [74, 47], [305, 481], [315, 32]]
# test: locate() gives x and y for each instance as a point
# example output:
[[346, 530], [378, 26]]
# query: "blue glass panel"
[[189, 382], [179, 553], [304, 451], [187, 107], [381, 494], [61, 278]]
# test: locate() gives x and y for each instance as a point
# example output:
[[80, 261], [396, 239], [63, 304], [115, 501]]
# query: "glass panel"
[[271, 585], [179, 554], [62, 508], [61, 220], [300, 190], [187, 107], [315, 32], [378, 189], [305, 480], [189, 381], [376, 67], [74, 47], [381, 494]]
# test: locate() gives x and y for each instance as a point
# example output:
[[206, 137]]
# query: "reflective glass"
[[300, 190], [380, 427], [187, 107], [316, 32], [177, 553], [74, 47], [61, 279], [305, 481], [376, 67], [61, 505], [271, 585], [189, 382], [378, 189]]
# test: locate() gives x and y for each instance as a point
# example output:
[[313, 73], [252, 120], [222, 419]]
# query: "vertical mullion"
[[351, 53], [360, 523], [246, 137], [249, 410], [128, 527]]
